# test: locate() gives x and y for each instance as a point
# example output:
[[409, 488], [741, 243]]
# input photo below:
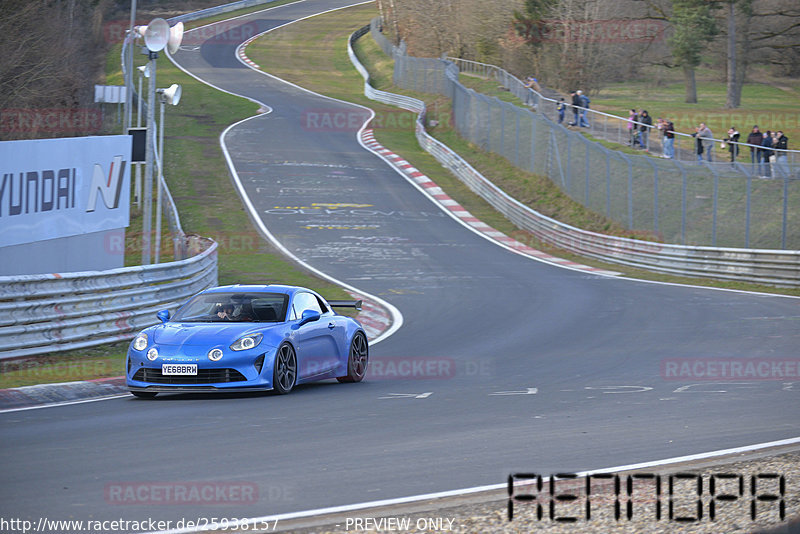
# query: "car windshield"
[[234, 307]]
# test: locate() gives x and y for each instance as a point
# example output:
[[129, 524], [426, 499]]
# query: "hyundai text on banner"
[[52, 188]]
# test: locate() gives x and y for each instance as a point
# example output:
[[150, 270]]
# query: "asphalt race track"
[[520, 365]]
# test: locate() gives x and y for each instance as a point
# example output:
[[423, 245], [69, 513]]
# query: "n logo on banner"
[[110, 187]]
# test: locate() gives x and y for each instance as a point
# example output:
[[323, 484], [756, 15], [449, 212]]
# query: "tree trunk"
[[734, 91], [691, 85]]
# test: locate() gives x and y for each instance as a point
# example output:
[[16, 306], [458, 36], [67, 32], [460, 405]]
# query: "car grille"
[[204, 376]]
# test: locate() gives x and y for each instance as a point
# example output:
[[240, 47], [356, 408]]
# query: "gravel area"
[[490, 517]]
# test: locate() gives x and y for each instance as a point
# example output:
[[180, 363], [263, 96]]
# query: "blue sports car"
[[247, 337]]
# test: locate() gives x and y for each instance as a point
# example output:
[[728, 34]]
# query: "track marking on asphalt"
[[526, 391], [66, 403], [620, 389], [478, 489], [687, 388], [408, 395]]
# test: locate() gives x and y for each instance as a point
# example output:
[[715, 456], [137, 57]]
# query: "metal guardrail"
[[775, 267], [218, 10], [42, 314]]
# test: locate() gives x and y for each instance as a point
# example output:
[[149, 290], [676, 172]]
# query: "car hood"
[[206, 334]]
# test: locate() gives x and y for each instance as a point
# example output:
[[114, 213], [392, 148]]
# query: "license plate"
[[179, 369]]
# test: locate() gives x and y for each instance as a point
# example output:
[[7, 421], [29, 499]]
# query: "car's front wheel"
[[284, 373], [144, 394], [357, 360]]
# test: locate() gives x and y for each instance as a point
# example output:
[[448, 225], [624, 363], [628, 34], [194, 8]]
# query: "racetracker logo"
[[25, 122], [227, 32], [612, 31], [730, 369], [344, 120], [172, 493]]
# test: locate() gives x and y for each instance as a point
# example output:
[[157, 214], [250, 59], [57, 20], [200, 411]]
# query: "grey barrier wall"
[[717, 204], [43, 314], [761, 266], [218, 10]]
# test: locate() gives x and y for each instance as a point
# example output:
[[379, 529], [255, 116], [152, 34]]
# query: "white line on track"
[[479, 489]]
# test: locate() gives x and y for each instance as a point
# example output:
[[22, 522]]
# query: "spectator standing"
[[644, 129], [561, 107], [707, 136], [532, 84], [669, 139], [583, 101], [764, 154], [698, 144], [733, 142], [576, 103], [633, 128], [754, 138], [782, 164]]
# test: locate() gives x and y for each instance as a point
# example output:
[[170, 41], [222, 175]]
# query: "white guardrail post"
[[773, 267]]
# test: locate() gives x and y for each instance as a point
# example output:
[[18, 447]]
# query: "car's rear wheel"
[[357, 360], [284, 374], [144, 394]]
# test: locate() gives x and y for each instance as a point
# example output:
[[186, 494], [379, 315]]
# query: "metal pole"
[[138, 188], [147, 215], [129, 70], [157, 255]]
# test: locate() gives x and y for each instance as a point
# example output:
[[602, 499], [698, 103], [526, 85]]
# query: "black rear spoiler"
[[346, 304]]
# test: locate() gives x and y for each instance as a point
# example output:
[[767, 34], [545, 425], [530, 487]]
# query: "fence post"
[[747, 214], [785, 209], [683, 203], [714, 204], [588, 162]]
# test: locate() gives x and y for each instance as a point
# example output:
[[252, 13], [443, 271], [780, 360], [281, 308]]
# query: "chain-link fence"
[[716, 204]]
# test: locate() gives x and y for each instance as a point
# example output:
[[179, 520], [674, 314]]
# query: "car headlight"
[[247, 342], [152, 354], [215, 355], [140, 342]]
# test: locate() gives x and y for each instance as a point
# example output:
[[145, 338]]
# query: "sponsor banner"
[[54, 188]]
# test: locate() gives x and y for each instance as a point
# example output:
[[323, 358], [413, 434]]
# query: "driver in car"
[[225, 312]]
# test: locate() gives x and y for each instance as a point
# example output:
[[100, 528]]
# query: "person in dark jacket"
[[698, 144], [764, 154], [669, 139], [754, 138], [781, 160], [733, 143], [644, 128], [576, 103]]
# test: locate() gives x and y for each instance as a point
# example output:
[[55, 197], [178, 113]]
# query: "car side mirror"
[[308, 316], [163, 316]]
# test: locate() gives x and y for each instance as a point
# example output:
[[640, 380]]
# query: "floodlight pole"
[[160, 177], [138, 188], [129, 70], [147, 212]]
